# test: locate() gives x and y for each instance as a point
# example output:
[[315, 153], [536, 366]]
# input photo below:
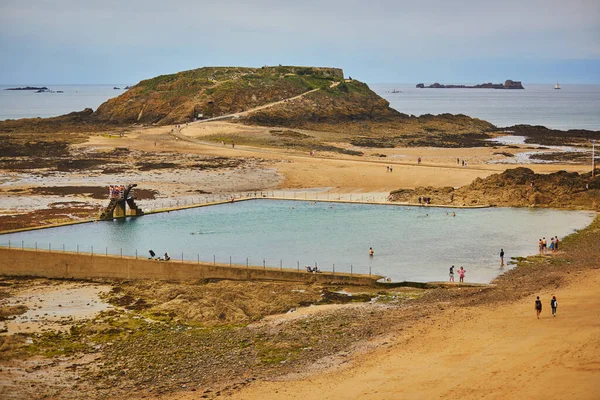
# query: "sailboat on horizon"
[[557, 86]]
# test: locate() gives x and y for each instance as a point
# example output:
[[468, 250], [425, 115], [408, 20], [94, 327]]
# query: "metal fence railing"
[[214, 259]]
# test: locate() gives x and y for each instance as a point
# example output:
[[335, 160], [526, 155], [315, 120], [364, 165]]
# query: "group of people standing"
[[543, 245], [424, 200]]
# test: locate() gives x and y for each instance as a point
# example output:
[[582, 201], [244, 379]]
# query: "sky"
[[447, 41]]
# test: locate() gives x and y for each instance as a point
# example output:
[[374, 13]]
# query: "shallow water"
[[525, 156], [416, 244]]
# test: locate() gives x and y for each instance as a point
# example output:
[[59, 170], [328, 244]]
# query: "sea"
[[571, 107], [16, 104]]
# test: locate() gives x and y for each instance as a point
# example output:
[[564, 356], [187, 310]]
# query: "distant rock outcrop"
[[508, 84], [29, 88]]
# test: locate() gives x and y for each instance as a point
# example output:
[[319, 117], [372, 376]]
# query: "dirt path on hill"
[[251, 110], [485, 352]]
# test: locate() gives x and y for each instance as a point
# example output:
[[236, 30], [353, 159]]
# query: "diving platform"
[[121, 204]]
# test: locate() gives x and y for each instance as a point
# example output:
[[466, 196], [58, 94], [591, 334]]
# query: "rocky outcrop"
[[347, 101], [508, 84], [211, 92], [28, 88], [78, 121], [519, 187]]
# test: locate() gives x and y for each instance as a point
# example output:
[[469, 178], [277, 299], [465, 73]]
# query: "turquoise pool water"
[[417, 244]]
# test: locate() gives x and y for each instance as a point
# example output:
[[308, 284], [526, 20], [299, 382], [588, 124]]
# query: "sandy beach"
[[442, 346], [491, 352]]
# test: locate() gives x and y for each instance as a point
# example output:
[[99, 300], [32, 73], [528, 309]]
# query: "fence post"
[[182, 256], [264, 263], [298, 266], [350, 269], [280, 264], [106, 251], [334, 269], [246, 262], [214, 259], [198, 258], [230, 261]]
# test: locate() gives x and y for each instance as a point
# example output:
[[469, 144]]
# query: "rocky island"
[[508, 84], [29, 88]]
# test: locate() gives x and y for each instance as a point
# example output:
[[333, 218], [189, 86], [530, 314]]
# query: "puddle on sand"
[[55, 307]]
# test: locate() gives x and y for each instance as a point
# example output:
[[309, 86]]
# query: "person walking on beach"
[[501, 257], [555, 244], [452, 273], [552, 244], [540, 246], [461, 274], [538, 307], [553, 305]]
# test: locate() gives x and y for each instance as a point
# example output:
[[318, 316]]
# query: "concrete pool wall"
[[58, 264]]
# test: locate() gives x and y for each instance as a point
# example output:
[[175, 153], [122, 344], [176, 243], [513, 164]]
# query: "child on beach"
[[553, 305], [501, 257], [452, 273], [461, 274], [555, 244], [538, 307], [371, 252]]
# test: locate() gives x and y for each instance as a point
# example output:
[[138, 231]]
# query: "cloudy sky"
[[450, 41]]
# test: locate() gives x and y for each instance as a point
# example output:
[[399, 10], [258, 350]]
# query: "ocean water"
[[571, 107], [415, 244], [15, 104]]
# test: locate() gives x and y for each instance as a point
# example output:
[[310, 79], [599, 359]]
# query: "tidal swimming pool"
[[410, 243]]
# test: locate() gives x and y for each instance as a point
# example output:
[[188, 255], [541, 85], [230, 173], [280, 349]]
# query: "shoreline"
[[499, 351]]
